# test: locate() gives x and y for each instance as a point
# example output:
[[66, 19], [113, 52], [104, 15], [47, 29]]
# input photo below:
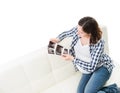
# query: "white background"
[[27, 25]]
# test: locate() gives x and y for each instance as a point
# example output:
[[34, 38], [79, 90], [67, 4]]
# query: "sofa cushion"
[[68, 85], [38, 70], [14, 80]]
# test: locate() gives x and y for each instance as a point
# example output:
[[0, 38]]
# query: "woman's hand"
[[55, 40], [67, 57]]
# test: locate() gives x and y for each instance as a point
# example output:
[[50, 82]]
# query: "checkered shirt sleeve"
[[69, 33]]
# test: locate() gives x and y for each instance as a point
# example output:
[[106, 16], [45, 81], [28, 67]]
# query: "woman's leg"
[[84, 79], [97, 80]]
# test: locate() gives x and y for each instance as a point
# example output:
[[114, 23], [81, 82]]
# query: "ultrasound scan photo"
[[51, 47], [59, 50], [54, 48]]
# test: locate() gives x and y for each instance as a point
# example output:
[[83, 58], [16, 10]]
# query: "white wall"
[[27, 25]]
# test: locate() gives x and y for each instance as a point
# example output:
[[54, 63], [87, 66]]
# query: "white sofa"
[[40, 72]]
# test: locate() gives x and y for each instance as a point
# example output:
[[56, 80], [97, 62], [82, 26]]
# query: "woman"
[[87, 55]]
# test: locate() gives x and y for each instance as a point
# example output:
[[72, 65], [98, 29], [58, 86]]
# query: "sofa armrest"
[[115, 76]]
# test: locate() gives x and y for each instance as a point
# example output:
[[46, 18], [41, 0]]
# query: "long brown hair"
[[90, 26]]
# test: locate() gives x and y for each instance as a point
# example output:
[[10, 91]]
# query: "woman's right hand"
[[55, 40]]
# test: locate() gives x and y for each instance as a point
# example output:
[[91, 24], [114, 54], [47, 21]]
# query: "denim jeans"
[[92, 83]]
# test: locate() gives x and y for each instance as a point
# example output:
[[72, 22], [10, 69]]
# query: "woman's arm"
[[64, 34], [69, 33]]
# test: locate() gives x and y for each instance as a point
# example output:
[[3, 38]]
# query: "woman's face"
[[81, 33]]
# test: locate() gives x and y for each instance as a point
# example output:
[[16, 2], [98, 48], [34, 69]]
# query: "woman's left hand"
[[67, 57]]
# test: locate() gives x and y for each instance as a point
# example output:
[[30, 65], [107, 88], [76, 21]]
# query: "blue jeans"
[[92, 83]]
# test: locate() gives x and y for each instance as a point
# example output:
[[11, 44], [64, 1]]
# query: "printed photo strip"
[[54, 48]]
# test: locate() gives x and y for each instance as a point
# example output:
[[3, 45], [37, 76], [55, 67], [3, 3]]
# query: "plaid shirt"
[[99, 58]]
